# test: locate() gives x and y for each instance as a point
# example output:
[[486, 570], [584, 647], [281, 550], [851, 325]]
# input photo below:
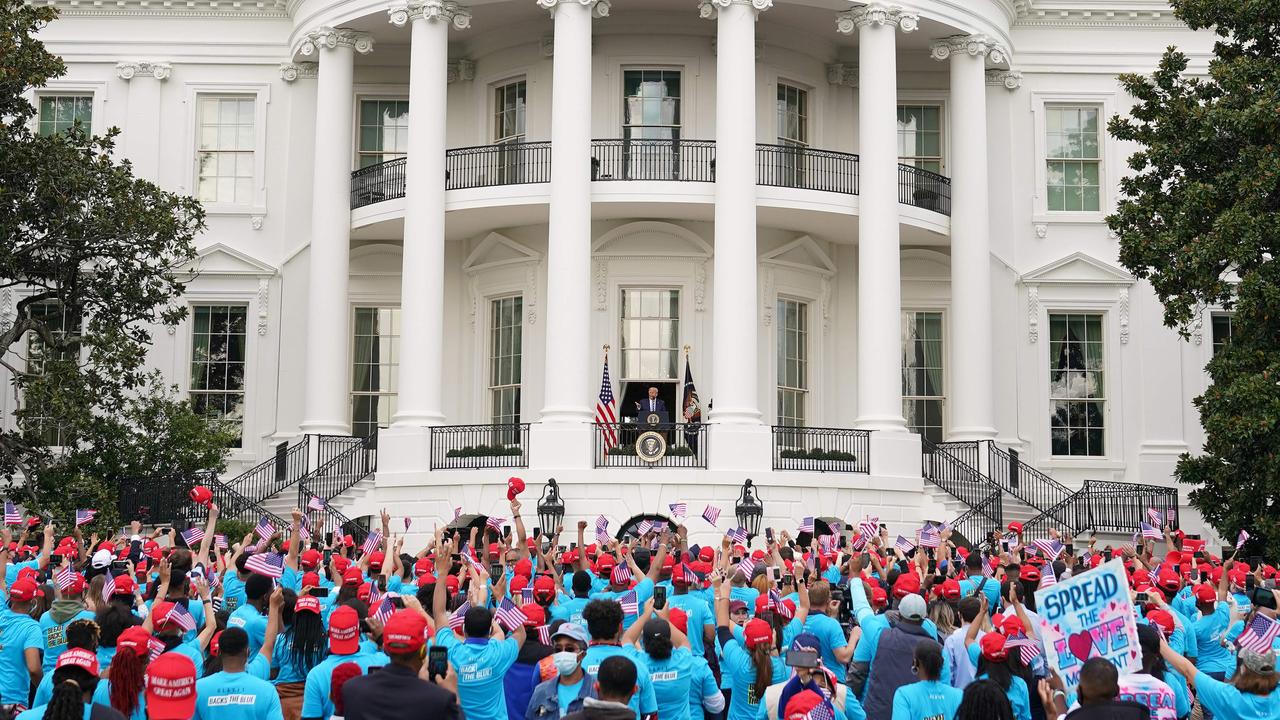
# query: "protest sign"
[[1090, 615]]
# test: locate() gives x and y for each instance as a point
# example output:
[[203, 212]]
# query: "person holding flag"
[[67, 608]]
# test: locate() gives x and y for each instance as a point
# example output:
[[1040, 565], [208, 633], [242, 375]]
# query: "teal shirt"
[[643, 702], [570, 611], [672, 683], [1228, 703], [1209, 632], [254, 623], [737, 666], [643, 591], [1018, 697], [698, 620], [315, 694], [481, 664], [18, 633], [55, 635], [566, 694], [102, 696], [926, 700], [37, 712], [236, 696]]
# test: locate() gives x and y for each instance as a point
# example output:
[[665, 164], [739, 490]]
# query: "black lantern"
[[550, 508], [749, 510]]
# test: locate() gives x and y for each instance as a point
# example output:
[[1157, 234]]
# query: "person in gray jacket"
[[572, 685]]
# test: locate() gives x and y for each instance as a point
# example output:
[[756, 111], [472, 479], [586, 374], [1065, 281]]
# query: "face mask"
[[566, 662]]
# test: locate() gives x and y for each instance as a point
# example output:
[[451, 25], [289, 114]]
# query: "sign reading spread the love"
[[1089, 616]]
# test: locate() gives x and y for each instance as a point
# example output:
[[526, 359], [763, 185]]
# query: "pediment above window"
[[497, 250], [220, 259], [803, 253], [651, 239], [1078, 269]]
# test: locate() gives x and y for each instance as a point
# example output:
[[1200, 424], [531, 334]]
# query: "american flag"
[[659, 525], [510, 615], [775, 598], [315, 503], [602, 537], [181, 617], [679, 510], [1242, 539], [711, 514], [192, 536], [806, 525], [407, 523], [264, 529], [1149, 532], [83, 517], [869, 527], [1047, 577], [1260, 635], [544, 634], [1027, 647], [371, 542], [602, 524], [1051, 548], [64, 578], [1155, 517], [374, 594], [495, 522], [929, 537], [747, 566], [1012, 539], [269, 564], [304, 534], [606, 409], [859, 542], [987, 569], [904, 545], [11, 514], [459, 616], [630, 603], [822, 712], [220, 542], [644, 527], [621, 574], [385, 609], [526, 595], [737, 535], [827, 543], [155, 648], [109, 587]]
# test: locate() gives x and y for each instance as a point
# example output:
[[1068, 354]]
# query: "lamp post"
[[749, 510], [550, 508]]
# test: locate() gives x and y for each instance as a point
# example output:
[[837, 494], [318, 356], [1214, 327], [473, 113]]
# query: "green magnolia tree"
[[93, 256], [1201, 222]]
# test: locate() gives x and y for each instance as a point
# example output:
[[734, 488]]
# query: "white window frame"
[[935, 99], [809, 95], [1106, 399], [352, 306], [72, 87], [945, 312], [360, 100], [262, 98], [492, 104], [691, 86], [244, 450], [488, 351], [1108, 170], [942, 130], [617, 363], [809, 343]]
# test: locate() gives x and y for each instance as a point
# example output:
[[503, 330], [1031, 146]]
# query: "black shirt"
[[393, 692], [1114, 710]]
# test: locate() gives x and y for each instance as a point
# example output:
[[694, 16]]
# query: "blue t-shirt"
[[54, 634], [926, 700], [191, 649], [747, 595], [991, 588], [18, 633], [570, 611], [315, 694], [232, 591], [37, 712], [102, 696], [481, 664], [566, 694], [643, 702], [672, 682], [1209, 631], [289, 671], [1228, 703], [252, 622], [1018, 697], [12, 569], [830, 638], [702, 686], [698, 620], [236, 696], [737, 666]]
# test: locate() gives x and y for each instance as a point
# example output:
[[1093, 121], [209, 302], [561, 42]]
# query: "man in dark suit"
[[653, 403]]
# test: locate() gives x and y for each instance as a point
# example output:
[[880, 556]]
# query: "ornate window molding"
[[129, 70]]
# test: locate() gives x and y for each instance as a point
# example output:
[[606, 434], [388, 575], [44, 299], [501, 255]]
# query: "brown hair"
[[820, 596], [1256, 683], [764, 669]]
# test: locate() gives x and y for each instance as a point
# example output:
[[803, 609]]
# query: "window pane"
[[218, 363], [650, 333], [1077, 386], [504, 358], [226, 142], [375, 356]]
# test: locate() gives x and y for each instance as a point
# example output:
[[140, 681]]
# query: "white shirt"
[[962, 670]]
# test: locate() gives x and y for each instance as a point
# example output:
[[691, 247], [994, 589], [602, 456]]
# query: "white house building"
[[873, 233]]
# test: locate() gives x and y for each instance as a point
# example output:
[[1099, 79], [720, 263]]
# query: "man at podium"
[[652, 404]]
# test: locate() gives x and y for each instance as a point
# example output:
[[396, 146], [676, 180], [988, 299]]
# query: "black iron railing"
[[373, 184], [500, 164], [269, 477], [973, 525], [333, 521], [961, 480], [806, 168], [349, 460], [480, 446], [1105, 506], [615, 445], [924, 189], [1041, 492], [634, 159], [163, 498], [821, 449]]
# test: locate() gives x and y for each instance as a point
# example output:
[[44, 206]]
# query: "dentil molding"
[[843, 74], [333, 38], [975, 45], [299, 71], [877, 13], [435, 10], [1010, 79], [599, 8], [130, 70], [708, 9]]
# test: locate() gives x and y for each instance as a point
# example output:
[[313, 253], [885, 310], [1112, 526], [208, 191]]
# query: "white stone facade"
[[285, 243]]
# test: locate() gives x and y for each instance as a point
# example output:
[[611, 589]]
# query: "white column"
[[326, 408], [420, 394], [569, 371], [972, 397], [735, 332], [879, 349]]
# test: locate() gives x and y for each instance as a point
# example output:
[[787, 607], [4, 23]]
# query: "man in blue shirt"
[[481, 659], [20, 668], [53, 623], [976, 583], [604, 625], [252, 615], [344, 647], [234, 694], [571, 610]]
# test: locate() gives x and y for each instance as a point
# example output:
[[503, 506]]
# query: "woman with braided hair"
[[984, 700], [82, 635], [125, 688], [75, 678]]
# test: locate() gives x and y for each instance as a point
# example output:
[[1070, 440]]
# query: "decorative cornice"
[[461, 69], [599, 8], [877, 13], [435, 10], [130, 70], [843, 74], [1099, 14], [975, 45], [299, 71], [331, 38], [250, 9], [1010, 79], [708, 9]]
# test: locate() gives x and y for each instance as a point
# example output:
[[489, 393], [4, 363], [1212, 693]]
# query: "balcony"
[[821, 449], [472, 447], [612, 160], [616, 445]]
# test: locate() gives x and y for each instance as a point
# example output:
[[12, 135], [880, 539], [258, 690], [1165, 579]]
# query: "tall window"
[[1077, 392], [920, 136], [1221, 331], [651, 105], [58, 113], [509, 112], [375, 368], [505, 343], [1072, 157], [63, 323], [225, 157], [384, 131], [650, 333], [793, 362], [793, 115], [217, 363], [922, 373]]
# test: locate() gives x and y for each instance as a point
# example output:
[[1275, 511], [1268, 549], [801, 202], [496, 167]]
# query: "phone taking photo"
[[437, 662], [659, 597]]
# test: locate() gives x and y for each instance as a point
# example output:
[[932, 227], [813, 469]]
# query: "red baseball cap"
[[951, 589], [1161, 619], [352, 576], [125, 585], [451, 583], [136, 639], [515, 486], [1205, 593], [802, 705], [534, 615], [421, 566], [604, 564], [1015, 527], [757, 632], [201, 494], [171, 687], [375, 559], [160, 619], [306, 603], [310, 579], [707, 554], [879, 598], [517, 584], [76, 586], [309, 558], [80, 658], [544, 587], [344, 631], [1012, 625], [993, 649], [906, 584], [341, 563], [363, 592], [405, 632], [679, 619], [1030, 573], [524, 567], [763, 603]]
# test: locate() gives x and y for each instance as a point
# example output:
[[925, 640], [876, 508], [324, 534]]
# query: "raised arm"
[[202, 554], [274, 605], [295, 525], [521, 537]]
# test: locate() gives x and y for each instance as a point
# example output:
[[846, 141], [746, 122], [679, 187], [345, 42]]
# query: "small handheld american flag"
[[315, 503], [220, 542], [679, 510], [84, 517], [747, 566], [155, 648], [526, 595], [904, 545], [1242, 539], [1150, 532], [181, 617], [737, 536], [711, 514], [806, 525], [1155, 517], [64, 578], [621, 574], [869, 527], [495, 522], [385, 609], [1048, 578], [371, 542], [459, 616], [457, 512], [11, 514], [1049, 547], [1260, 635], [509, 615], [544, 634], [644, 527], [1027, 648], [192, 536], [630, 603], [264, 529], [930, 538], [108, 587], [269, 564]]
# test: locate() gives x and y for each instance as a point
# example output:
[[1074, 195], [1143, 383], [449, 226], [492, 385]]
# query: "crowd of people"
[[491, 623]]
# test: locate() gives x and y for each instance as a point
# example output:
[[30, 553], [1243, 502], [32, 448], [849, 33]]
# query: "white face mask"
[[566, 662]]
